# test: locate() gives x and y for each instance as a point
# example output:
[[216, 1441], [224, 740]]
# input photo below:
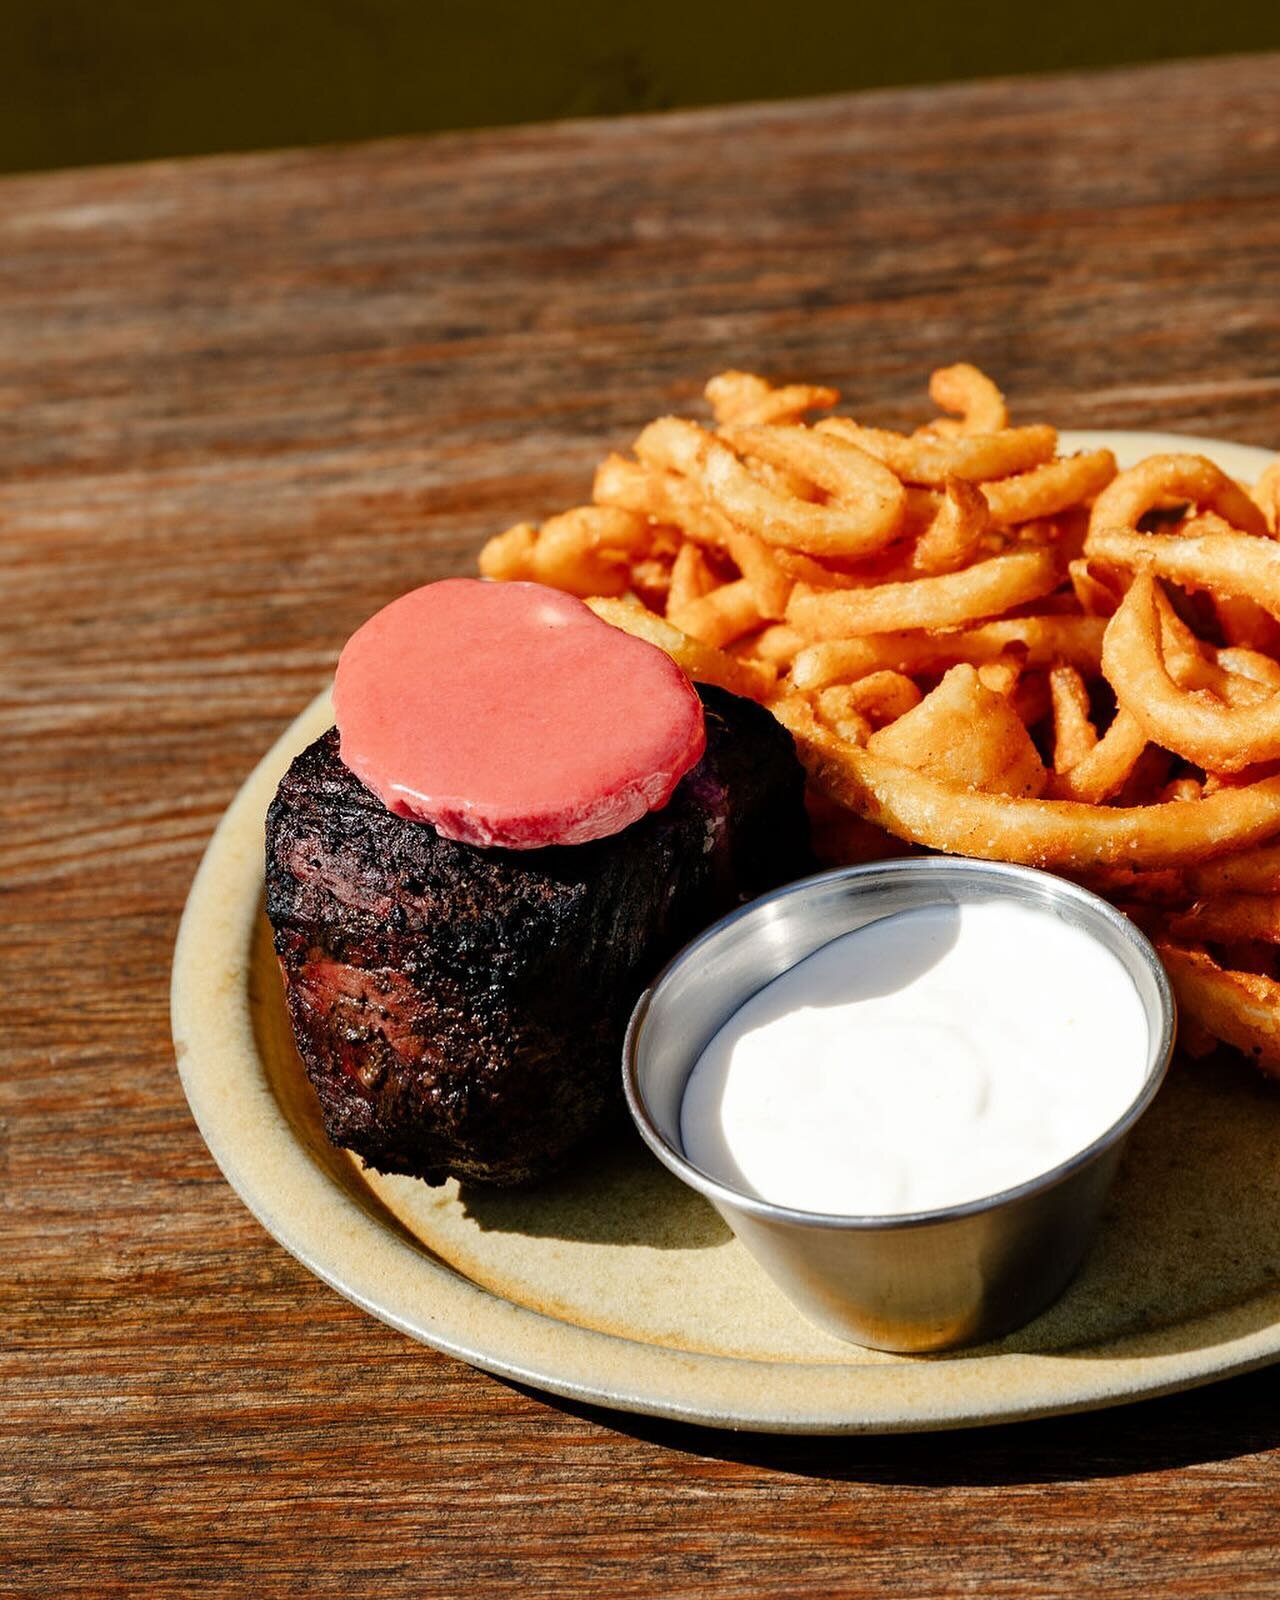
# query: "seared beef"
[[461, 1010]]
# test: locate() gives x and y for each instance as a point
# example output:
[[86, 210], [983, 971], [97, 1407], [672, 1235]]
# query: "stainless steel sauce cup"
[[926, 1280]]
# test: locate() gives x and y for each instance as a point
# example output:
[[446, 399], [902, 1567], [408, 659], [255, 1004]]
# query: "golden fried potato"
[[1045, 833], [721, 616], [584, 551], [965, 734], [977, 457], [744, 397], [1217, 563], [1242, 1009], [703, 662], [691, 578], [761, 509], [1051, 488], [955, 535], [982, 590], [1107, 767], [927, 612], [1228, 919], [1265, 494], [1165, 479], [970, 394], [1074, 735], [1195, 725]]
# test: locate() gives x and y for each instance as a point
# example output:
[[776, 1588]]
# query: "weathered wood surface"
[[245, 401]]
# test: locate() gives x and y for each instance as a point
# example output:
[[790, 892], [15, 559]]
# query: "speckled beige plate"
[[616, 1285]]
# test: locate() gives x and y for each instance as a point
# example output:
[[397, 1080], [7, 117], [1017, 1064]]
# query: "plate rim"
[[345, 1246]]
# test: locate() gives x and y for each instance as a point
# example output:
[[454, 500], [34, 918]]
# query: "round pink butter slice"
[[509, 714]]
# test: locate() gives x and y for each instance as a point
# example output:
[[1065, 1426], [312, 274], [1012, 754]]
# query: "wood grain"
[[243, 402]]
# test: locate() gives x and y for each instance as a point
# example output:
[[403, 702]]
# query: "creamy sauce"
[[930, 1058]]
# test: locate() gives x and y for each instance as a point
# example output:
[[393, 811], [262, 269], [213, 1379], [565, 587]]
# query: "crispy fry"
[[1249, 872], [1213, 781], [972, 396], [1244, 623], [1051, 488], [882, 696], [583, 551], [664, 496], [1074, 735], [1229, 918], [842, 471], [508, 556], [1193, 665], [731, 393], [853, 480], [770, 585], [691, 578], [1044, 640], [1241, 663], [1045, 833], [598, 529], [702, 662], [890, 566], [665, 541], [924, 459], [967, 735], [777, 643], [1194, 1039], [628, 485], [838, 529], [923, 506], [1212, 735], [981, 590], [1003, 672], [1162, 479], [744, 397], [1106, 769], [1242, 1009], [943, 607], [1065, 533], [720, 616], [782, 480], [844, 719], [1094, 595], [1265, 494], [1217, 563], [1192, 522], [955, 535]]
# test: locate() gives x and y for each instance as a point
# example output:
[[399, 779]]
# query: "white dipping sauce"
[[929, 1058]]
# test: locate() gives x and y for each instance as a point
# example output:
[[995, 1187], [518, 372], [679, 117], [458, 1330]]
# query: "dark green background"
[[109, 80]]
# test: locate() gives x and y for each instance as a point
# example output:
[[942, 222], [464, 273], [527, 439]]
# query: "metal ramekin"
[[927, 1280]]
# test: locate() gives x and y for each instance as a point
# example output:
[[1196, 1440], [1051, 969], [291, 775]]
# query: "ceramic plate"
[[616, 1285]]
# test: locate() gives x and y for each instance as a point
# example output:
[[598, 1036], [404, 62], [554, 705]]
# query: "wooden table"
[[245, 401]]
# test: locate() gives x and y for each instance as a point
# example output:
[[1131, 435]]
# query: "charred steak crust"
[[461, 1010]]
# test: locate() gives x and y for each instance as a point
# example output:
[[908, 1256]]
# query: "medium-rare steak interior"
[[460, 1010]]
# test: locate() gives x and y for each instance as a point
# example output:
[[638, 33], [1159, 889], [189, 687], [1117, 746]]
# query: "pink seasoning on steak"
[[510, 715]]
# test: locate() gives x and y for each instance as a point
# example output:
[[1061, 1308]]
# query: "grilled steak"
[[461, 1010]]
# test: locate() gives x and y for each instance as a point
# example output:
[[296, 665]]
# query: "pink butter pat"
[[509, 714]]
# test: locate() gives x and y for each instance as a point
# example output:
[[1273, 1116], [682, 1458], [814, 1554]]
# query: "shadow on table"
[[1236, 1418]]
